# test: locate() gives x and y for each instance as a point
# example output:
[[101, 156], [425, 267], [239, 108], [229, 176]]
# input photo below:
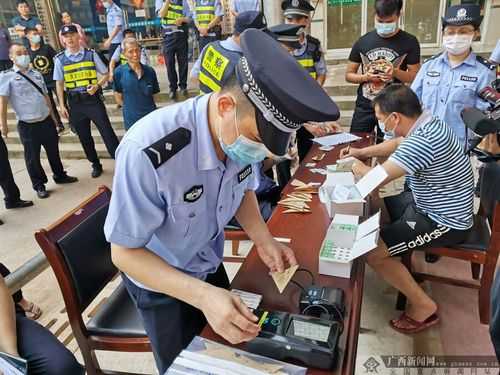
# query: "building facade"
[[337, 23]]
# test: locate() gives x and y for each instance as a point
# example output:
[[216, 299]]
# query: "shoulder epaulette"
[[433, 57], [60, 53], [313, 40], [161, 151], [485, 62]]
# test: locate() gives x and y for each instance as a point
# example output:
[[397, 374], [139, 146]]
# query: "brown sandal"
[[414, 325], [33, 311]]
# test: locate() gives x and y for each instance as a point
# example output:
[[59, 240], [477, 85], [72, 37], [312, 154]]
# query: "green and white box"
[[345, 241]]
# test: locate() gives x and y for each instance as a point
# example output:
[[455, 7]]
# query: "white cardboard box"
[[345, 241], [342, 196]]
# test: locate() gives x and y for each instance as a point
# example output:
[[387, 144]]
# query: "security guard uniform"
[[446, 90], [205, 12], [35, 125], [173, 196], [78, 72], [175, 43], [288, 35]]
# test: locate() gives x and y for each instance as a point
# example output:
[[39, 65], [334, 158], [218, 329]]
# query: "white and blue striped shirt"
[[439, 173]]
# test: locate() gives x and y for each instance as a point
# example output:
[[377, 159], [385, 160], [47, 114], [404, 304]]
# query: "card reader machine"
[[310, 340]]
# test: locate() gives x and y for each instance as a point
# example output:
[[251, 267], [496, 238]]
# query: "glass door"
[[344, 23]]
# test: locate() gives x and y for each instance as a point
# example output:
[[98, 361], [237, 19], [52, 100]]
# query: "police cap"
[[67, 29], [296, 8], [288, 34], [459, 15], [249, 20], [283, 93]]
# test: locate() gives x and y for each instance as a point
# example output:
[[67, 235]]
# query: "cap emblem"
[[462, 13], [295, 3]]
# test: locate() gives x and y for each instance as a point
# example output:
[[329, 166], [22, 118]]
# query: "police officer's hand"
[[107, 43], [316, 129], [64, 112], [203, 31], [92, 89], [276, 256], [5, 131], [228, 315]]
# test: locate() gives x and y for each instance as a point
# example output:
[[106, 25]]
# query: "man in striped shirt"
[[438, 211]]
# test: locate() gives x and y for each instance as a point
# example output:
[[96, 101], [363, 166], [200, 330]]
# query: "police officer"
[[207, 16], [183, 172], [450, 81], [75, 69], [218, 60], [175, 18], [26, 90], [12, 196], [289, 35], [311, 57]]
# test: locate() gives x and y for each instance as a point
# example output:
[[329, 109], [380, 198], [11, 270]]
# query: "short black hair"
[[387, 8], [128, 31], [400, 99], [19, 2]]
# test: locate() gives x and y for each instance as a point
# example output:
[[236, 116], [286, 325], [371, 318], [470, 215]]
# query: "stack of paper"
[[297, 201], [252, 300], [10, 365], [205, 357], [336, 139]]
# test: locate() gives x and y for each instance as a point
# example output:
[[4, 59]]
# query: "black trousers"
[[45, 354], [364, 119], [170, 324], [7, 183], [33, 137], [495, 315], [204, 40], [4, 271], [175, 47], [81, 112]]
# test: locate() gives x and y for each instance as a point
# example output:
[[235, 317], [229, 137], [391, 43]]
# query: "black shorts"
[[412, 229]]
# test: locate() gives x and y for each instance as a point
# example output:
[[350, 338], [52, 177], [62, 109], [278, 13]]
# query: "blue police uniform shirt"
[[28, 104], [137, 92], [240, 6], [100, 67], [114, 17], [179, 209], [495, 55], [228, 44], [219, 11], [445, 90]]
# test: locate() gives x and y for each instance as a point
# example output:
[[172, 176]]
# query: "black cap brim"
[[274, 139], [476, 23]]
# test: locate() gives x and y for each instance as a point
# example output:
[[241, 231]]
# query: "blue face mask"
[[35, 39], [388, 134], [384, 29], [243, 151]]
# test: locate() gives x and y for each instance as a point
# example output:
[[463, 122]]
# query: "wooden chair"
[[481, 248], [80, 257]]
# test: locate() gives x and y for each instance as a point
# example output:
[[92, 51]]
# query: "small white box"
[[342, 196], [345, 241]]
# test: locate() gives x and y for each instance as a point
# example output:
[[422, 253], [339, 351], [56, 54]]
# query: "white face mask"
[[106, 4], [22, 61], [457, 44]]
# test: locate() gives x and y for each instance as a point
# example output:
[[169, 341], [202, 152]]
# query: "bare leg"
[[8, 338], [396, 274]]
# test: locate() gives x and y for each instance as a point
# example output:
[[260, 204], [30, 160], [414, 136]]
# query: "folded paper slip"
[[281, 279]]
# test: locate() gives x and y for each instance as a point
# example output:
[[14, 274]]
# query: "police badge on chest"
[[193, 194]]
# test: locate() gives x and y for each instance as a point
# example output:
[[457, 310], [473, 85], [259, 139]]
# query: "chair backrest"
[[78, 252], [490, 192]]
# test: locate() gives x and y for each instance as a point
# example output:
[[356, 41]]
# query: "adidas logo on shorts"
[[427, 237]]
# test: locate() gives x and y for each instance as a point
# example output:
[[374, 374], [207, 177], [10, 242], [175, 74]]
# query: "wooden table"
[[306, 232]]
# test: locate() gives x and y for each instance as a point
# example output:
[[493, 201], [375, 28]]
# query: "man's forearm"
[[214, 22], [8, 338], [3, 112], [153, 272], [384, 149], [115, 32], [164, 9], [355, 78], [250, 219], [321, 79], [103, 80], [404, 76], [119, 98], [60, 93]]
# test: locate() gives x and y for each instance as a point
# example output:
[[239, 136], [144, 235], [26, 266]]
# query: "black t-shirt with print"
[[43, 61], [373, 52]]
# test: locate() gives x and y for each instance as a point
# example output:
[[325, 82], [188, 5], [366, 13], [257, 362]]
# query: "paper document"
[[10, 365], [336, 139], [252, 300], [205, 357]]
